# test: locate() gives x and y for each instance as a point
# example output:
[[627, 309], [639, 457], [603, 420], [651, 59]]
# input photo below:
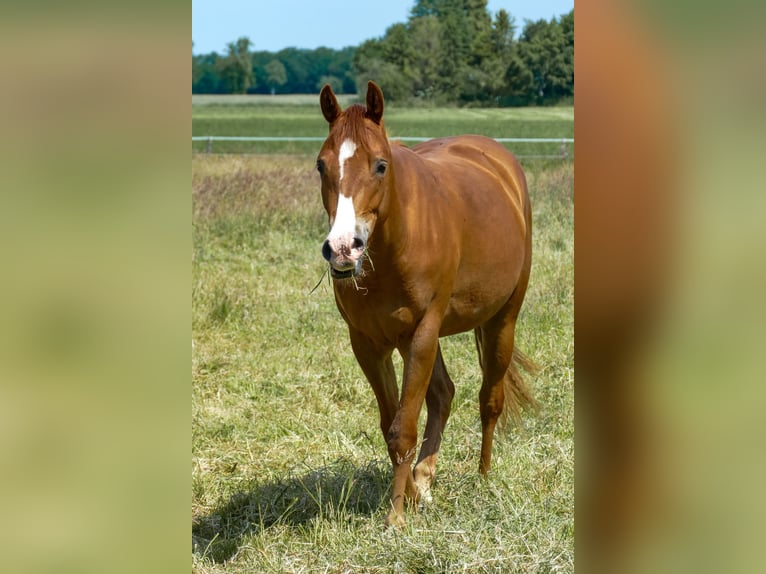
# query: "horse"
[[425, 242]]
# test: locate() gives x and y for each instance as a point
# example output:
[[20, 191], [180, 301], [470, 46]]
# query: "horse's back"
[[476, 157], [464, 146]]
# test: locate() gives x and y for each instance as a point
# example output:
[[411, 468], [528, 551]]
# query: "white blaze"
[[347, 150], [345, 215], [345, 219]]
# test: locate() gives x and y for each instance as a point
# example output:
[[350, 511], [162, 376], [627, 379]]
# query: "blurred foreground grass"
[[95, 250]]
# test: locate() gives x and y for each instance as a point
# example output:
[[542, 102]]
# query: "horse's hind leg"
[[502, 385], [495, 341], [438, 401]]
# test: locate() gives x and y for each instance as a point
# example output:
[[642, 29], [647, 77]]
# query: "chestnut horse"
[[425, 242]]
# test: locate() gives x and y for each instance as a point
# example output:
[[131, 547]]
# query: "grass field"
[[300, 116], [289, 471]]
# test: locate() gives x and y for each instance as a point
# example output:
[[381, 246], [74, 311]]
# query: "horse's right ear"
[[330, 107]]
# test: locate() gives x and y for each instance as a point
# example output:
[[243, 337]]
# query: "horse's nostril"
[[326, 251], [358, 243]]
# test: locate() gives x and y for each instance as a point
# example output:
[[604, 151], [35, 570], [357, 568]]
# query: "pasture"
[[289, 469], [297, 116]]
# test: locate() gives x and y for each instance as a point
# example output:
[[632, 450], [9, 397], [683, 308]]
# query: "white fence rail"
[[563, 149]]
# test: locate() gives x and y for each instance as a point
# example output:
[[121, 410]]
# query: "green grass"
[[289, 471], [261, 99], [300, 116]]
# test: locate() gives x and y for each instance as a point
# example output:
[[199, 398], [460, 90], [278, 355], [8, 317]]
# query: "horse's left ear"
[[374, 102]]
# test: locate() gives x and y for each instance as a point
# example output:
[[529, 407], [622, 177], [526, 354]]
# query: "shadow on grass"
[[334, 492]]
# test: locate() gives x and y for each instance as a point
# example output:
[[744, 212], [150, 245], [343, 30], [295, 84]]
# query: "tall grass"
[[289, 471]]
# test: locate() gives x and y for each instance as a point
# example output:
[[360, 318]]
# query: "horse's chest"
[[382, 319]]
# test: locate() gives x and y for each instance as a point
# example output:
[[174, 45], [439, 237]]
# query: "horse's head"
[[354, 166]]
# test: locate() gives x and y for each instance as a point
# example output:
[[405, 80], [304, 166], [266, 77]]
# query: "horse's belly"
[[470, 309], [482, 287], [454, 324]]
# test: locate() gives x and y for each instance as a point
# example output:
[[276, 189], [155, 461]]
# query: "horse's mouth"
[[346, 274]]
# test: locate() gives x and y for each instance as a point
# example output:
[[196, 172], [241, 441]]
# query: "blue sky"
[[275, 24]]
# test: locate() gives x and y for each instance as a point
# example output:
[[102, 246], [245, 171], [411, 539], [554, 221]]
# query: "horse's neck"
[[406, 165], [403, 194]]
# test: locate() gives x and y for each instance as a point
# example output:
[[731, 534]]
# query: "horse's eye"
[[320, 166], [380, 167]]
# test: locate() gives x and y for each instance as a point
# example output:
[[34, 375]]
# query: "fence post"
[[563, 150], [209, 145]]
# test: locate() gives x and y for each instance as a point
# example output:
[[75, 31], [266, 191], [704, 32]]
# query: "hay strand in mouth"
[[356, 285], [325, 274]]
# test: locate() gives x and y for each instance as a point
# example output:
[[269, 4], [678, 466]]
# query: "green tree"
[[397, 50], [298, 64], [196, 69], [206, 79], [566, 21], [567, 27], [370, 64], [341, 66], [449, 51], [425, 8], [545, 51], [456, 43], [489, 59], [426, 36], [276, 75], [304, 69], [503, 32], [464, 30], [236, 69], [396, 46], [518, 85], [514, 85]]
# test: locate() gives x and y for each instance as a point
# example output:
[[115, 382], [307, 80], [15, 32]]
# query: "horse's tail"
[[518, 396]]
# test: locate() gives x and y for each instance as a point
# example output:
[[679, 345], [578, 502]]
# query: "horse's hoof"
[[424, 497], [394, 520]]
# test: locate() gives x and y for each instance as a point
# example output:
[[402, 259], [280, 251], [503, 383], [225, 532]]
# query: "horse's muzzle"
[[345, 259]]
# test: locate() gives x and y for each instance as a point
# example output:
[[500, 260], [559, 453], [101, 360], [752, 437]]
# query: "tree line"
[[448, 52]]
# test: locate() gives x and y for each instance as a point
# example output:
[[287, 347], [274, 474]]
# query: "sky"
[[275, 24]]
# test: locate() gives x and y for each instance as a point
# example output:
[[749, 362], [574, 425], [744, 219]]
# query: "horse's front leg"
[[418, 354], [378, 368]]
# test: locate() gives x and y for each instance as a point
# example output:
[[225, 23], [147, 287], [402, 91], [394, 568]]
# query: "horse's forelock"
[[354, 127]]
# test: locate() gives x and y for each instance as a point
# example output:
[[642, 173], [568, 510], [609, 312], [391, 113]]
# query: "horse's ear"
[[374, 102], [330, 107]]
